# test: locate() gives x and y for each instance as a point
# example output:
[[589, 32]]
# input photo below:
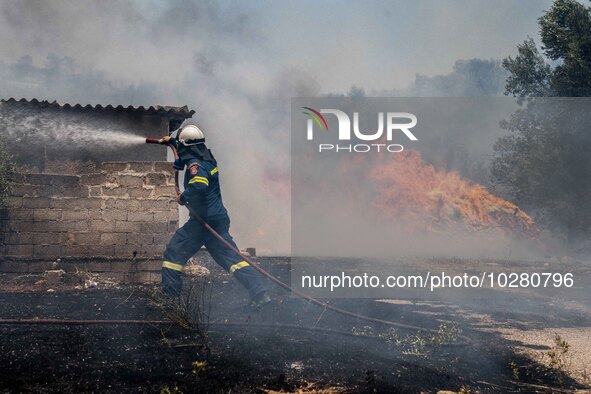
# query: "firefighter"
[[202, 192]]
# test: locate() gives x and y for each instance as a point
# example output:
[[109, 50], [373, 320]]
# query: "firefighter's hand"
[[165, 140], [179, 199]]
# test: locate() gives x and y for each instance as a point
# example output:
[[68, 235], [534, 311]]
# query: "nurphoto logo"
[[395, 121]]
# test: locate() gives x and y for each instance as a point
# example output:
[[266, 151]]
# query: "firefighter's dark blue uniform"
[[202, 193]]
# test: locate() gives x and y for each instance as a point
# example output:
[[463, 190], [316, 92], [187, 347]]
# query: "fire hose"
[[236, 325], [325, 305]]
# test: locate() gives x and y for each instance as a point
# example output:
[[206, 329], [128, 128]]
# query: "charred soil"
[[290, 345]]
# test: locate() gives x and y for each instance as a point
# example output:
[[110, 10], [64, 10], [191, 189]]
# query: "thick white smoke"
[[237, 65]]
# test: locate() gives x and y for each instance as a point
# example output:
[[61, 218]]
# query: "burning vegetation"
[[437, 200]]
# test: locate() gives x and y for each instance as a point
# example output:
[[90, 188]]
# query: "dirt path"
[[551, 327]]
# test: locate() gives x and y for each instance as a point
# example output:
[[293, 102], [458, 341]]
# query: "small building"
[[86, 194]]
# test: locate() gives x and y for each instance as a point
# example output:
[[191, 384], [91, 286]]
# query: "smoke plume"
[[238, 65]]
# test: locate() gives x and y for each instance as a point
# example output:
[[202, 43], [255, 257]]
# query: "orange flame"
[[406, 187]]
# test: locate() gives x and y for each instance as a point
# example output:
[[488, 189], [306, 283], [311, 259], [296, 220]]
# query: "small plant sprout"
[[199, 367]]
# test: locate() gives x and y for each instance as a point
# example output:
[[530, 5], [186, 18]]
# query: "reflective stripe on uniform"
[[200, 179], [172, 266], [215, 170], [239, 265]]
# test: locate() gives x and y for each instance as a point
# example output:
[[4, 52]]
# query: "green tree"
[[545, 158], [565, 30]]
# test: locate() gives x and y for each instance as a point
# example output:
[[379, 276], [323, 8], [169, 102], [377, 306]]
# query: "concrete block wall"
[[118, 211]]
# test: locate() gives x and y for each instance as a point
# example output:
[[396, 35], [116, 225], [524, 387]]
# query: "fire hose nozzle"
[[160, 141]]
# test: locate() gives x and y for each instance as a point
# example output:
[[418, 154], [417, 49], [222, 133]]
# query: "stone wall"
[[117, 211]]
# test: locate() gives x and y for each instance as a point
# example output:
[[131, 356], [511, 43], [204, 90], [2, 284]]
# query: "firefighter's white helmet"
[[190, 135]]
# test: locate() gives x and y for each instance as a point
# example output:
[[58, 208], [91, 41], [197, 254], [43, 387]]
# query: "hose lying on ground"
[[297, 292], [109, 322]]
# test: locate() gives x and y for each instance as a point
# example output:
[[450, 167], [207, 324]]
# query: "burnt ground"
[[248, 357]]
